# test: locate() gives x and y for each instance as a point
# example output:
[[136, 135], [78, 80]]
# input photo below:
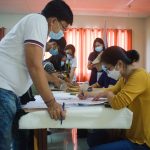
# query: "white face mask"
[[98, 48], [114, 74], [69, 56]]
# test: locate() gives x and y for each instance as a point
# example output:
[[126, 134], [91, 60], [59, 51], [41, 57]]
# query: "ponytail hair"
[[114, 53], [133, 55]]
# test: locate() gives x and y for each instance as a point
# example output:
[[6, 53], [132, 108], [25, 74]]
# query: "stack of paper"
[[62, 97]]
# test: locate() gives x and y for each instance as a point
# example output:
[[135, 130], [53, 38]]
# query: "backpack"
[[28, 96]]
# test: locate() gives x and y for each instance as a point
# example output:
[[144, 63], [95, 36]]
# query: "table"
[[87, 117], [82, 117]]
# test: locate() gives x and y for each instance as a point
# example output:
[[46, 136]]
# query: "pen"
[[82, 93], [63, 107]]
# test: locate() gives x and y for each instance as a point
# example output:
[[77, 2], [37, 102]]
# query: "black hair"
[[58, 9], [70, 46], [99, 40], [56, 61], [61, 43], [114, 53], [133, 55]]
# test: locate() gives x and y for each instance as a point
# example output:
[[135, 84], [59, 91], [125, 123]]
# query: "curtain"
[[120, 37], [2, 32], [82, 39]]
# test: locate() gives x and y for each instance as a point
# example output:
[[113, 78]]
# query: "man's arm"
[[54, 79], [33, 57]]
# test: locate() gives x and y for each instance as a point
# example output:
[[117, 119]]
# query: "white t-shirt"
[[14, 75], [73, 64], [98, 75]]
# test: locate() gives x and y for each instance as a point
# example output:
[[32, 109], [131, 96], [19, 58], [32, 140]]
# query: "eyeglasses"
[[64, 28]]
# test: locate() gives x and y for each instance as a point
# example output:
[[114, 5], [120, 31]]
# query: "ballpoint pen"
[[63, 107], [82, 93]]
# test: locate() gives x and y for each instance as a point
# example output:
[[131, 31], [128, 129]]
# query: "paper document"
[[90, 102], [61, 97]]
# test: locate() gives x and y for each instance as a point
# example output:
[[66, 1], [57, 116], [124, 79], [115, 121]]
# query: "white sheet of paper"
[[62, 97]]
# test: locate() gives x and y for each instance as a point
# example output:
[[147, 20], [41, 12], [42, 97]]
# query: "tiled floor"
[[66, 140]]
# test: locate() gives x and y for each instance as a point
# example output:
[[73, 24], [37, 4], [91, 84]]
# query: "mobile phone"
[[107, 105]]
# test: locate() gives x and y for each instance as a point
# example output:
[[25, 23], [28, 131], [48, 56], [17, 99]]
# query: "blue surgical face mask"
[[69, 56], [56, 36], [53, 51], [98, 48], [62, 63]]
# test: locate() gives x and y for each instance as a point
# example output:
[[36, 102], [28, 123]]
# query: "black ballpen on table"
[[63, 107]]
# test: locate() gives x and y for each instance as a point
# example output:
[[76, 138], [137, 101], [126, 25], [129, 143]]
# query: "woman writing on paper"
[[132, 91]]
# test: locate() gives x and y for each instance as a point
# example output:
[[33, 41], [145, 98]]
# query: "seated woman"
[[106, 78], [52, 66], [104, 81], [71, 63], [58, 62], [132, 91]]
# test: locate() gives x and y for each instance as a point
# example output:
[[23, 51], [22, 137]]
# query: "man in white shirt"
[[21, 55]]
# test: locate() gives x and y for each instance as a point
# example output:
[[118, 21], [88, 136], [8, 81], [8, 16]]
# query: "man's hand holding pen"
[[55, 110]]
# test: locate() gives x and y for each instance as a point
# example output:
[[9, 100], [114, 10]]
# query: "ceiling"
[[122, 8]]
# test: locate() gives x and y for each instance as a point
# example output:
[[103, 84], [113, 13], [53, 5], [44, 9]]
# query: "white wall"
[[148, 44], [138, 26], [9, 20]]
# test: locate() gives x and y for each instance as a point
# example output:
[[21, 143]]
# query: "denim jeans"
[[121, 145], [103, 139], [9, 104], [101, 136]]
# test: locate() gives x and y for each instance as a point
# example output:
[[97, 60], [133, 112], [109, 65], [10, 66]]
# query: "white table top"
[[87, 117]]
